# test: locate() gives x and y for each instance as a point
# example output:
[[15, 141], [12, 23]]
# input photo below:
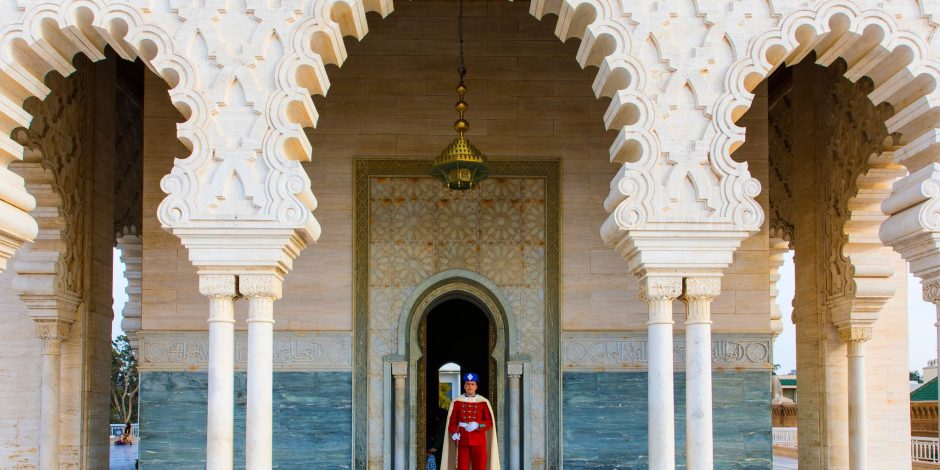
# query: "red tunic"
[[466, 412]]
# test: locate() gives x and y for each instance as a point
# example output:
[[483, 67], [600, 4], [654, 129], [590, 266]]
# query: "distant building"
[[930, 372], [788, 386]]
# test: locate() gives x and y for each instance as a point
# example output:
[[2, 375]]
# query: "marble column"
[[698, 296], [855, 338], [660, 292], [52, 333], [221, 400], [261, 290], [931, 293], [399, 376], [514, 371]]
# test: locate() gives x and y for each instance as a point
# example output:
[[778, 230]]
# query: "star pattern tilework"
[[497, 230]]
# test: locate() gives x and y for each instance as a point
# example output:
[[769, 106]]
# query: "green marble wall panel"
[[605, 420], [312, 420]]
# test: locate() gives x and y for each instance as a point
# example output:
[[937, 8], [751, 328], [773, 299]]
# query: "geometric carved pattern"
[[416, 229], [496, 230], [679, 73], [60, 134]]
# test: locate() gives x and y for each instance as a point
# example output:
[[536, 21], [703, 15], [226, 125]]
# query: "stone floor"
[[124, 457], [784, 463]]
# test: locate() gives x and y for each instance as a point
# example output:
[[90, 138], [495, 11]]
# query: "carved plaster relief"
[[299, 351], [612, 351], [59, 134]]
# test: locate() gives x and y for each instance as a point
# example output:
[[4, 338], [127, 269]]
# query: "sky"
[[118, 294], [921, 318]]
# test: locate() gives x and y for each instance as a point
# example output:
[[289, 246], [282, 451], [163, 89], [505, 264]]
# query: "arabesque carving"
[[170, 351], [679, 72], [60, 135], [656, 288]]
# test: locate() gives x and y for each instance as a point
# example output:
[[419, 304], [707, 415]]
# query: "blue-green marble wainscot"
[[605, 420], [312, 420]]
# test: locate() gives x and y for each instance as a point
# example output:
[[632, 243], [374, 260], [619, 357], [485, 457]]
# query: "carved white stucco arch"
[[242, 77], [44, 37], [890, 44]]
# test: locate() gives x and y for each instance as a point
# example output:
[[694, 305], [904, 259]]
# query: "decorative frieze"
[[314, 351], [628, 351]]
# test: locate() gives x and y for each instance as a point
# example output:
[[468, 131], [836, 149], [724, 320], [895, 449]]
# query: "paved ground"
[[782, 463], [124, 457]]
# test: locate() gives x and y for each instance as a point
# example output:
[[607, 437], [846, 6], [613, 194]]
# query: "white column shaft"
[[858, 431], [515, 438], [698, 388], [220, 420], [259, 418], [49, 412], [399, 422], [662, 432]]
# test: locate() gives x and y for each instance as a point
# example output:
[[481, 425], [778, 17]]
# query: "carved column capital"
[[855, 337], [851, 334], [52, 333], [660, 292], [399, 369], [698, 296], [217, 285], [931, 287], [514, 369], [221, 291], [702, 288], [660, 288], [260, 286], [261, 290]]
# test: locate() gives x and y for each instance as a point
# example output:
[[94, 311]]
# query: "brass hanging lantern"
[[461, 165]]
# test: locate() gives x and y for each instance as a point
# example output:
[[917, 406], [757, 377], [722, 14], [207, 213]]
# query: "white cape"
[[449, 457]]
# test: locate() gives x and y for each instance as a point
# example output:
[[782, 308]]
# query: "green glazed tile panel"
[[605, 420], [312, 420]]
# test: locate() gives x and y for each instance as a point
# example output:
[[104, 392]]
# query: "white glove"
[[463, 425], [472, 426], [456, 436]]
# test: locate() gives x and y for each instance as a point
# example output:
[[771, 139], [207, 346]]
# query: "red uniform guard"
[[471, 428]]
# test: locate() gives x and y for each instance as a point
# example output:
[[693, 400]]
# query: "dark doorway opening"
[[456, 331]]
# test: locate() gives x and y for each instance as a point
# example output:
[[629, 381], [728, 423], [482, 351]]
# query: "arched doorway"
[[489, 327], [455, 331]]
